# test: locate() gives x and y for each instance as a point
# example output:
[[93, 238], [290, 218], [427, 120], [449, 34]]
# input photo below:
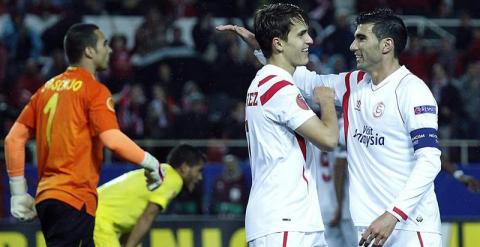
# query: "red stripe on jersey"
[[264, 80], [401, 213], [302, 144], [346, 96], [304, 178], [285, 238], [420, 239], [360, 76], [273, 90]]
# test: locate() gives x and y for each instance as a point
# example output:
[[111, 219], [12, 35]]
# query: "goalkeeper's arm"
[[123, 146], [22, 205]]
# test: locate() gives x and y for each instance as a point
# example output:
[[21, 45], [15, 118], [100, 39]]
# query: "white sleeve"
[[287, 106], [307, 80], [420, 113]]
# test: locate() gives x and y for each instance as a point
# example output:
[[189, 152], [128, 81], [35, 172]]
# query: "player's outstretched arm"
[[242, 32], [143, 224], [323, 132], [22, 205], [472, 184], [124, 147]]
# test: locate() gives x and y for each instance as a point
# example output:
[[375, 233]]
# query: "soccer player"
[[126, 207], [332, 180], [72, 118], [390, 132], [283, 207]]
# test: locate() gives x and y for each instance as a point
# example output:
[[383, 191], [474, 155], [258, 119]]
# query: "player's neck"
[[383, 70], [281, 62], [86, 65]]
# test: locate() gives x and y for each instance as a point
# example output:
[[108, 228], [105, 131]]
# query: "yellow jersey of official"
[[122, 200]]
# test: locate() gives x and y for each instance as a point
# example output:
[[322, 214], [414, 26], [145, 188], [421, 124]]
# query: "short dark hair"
[[386, 24], [79, 36], [184, 153], [275, 20]]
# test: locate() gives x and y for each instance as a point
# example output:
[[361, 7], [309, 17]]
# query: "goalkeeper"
[[72, 118], [126, 209]]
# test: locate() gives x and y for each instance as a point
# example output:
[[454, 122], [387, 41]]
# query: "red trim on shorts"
[[285, 237], [401, 213], [346, 96], [420, 239], [360, 76], [264, 80], [273, 90]]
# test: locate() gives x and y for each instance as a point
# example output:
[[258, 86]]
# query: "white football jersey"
[[392, 147], [283, 196]]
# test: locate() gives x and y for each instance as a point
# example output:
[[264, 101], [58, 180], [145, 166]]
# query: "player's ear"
[[387, 45], [277, 45], [89, 51]]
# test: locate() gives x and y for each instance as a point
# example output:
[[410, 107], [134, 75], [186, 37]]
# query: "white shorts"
[[290, 239], [402, 238]]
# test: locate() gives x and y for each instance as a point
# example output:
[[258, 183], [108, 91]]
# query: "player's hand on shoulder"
[[324, 95], [154, 172], [242, 32], [22, 204]]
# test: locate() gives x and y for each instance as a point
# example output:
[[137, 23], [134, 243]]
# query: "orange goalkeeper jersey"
[[68, 113]]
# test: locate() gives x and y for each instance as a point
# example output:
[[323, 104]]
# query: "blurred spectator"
[[151, 35], [202, 32], [234, 128], [446, 55], [464, 33], [340, 40], [177, 38], [161, 114], [120, 69], [131, 110], [451, 115], [230, 193], [31, 79], [469, 87], [55, 65], [193, 122], [323, 12], [52, 37], [417, 59]]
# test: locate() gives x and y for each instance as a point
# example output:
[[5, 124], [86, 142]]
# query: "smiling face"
[[295, 48], [366, 48]]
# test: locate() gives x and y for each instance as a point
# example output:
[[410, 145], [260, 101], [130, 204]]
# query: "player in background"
[[472, 184], [127, 208], [332, 186], [283, 207], [391, 135], [72, 118]]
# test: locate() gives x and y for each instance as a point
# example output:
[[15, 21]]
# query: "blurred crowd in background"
[[200, 94]]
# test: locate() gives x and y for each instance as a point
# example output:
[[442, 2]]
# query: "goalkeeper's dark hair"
[[185, 153], [79, 36]]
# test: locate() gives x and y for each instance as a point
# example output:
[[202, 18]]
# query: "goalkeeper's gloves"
[[153, 171], [22, 205]]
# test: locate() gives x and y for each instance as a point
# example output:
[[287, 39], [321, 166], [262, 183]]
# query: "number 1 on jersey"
[[50, 109]]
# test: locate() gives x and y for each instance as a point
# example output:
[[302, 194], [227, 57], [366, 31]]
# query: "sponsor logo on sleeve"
[[301, 102], [110, 104], [425, 109]]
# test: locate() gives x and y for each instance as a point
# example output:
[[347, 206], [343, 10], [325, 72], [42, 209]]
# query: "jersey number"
[[50, 109]]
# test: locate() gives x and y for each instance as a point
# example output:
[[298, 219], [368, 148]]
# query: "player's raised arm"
[[122, 145]]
